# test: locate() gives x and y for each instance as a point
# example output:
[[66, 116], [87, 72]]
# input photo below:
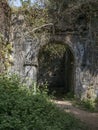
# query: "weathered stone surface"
[[81, 39], [5, 15]]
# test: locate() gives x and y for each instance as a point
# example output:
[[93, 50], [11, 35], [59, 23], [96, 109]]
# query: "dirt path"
[[91, 119]]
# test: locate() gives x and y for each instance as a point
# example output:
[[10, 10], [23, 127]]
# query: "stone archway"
[[56, 68]]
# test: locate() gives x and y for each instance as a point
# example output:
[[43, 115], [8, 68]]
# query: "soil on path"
[[91, 119]]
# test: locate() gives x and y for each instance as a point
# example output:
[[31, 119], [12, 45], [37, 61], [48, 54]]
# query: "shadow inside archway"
[[56, 68]]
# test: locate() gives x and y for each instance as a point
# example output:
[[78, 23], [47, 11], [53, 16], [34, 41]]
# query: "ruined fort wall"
[[80, 35], [5, 15]]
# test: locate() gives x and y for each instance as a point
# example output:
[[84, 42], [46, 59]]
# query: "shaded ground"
[[91, 119]]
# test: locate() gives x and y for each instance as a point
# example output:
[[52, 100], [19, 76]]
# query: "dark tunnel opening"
[[56, 68]]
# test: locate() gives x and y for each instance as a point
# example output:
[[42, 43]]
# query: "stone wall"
[[79, 34], [5, 15]]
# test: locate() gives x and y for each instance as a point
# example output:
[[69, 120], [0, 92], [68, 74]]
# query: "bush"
[[89, 104], [20, 109]]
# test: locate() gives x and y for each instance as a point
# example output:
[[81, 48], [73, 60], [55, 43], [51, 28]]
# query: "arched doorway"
[[56, 68]]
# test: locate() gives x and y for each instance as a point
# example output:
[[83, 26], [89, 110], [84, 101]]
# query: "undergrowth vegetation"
[[21, 109], [90, 105]]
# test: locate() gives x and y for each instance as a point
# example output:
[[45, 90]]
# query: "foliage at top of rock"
[[65, 15]]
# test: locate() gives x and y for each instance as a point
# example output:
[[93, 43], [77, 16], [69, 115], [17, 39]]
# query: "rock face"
[[5, 14], [81, 37]]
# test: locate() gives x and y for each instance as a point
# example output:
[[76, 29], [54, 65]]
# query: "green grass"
[[20, 109]]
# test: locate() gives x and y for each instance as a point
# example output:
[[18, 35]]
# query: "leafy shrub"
[[69, 96], [96, 104], [89, 104], [20, 109]]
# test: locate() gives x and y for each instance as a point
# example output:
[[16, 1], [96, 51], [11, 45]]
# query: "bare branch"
[[45, 25]]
